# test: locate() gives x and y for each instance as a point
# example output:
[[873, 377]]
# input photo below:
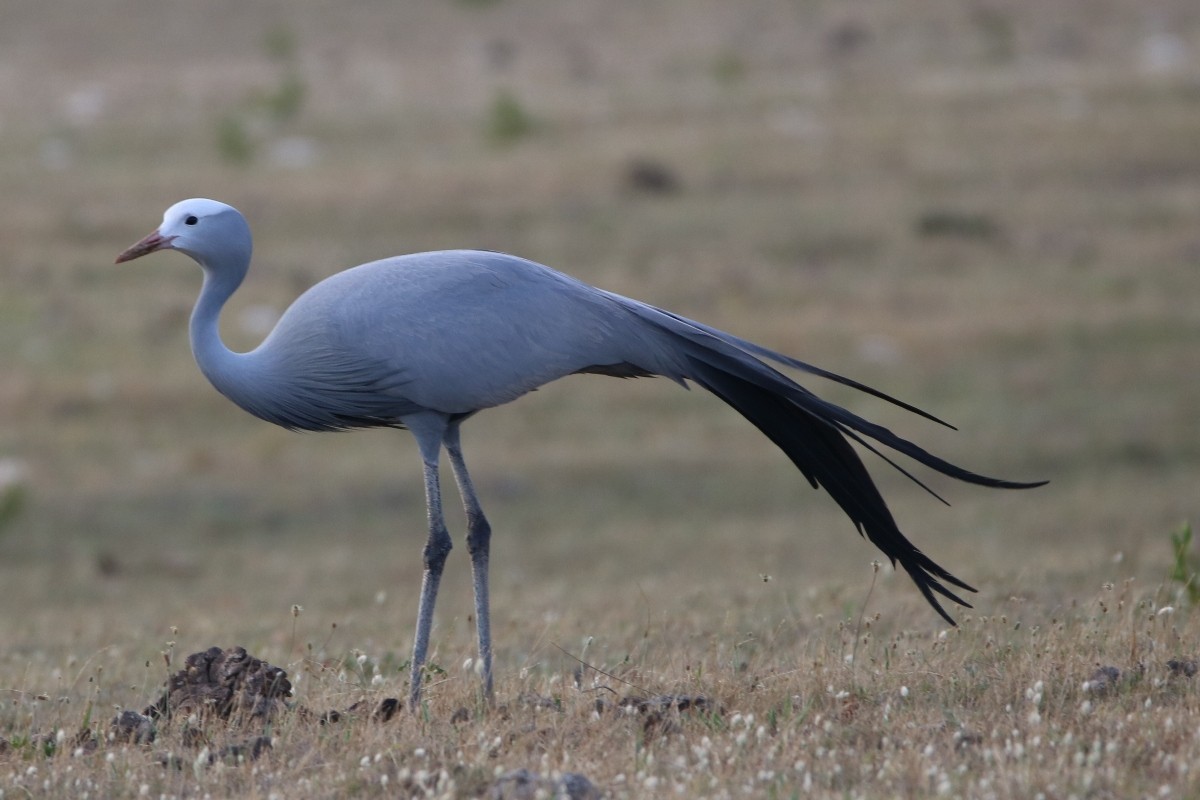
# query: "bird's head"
[[214, 234]]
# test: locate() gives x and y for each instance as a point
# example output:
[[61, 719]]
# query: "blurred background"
[[988, 209]]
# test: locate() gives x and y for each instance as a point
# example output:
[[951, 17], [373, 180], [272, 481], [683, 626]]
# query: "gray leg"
[[429, 431], [479, 536]]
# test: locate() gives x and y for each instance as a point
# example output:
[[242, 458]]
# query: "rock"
[[1181, 669], [1102, 680], [647, 176], [229, 684], [666, 702], [521, 784], [133, 728]]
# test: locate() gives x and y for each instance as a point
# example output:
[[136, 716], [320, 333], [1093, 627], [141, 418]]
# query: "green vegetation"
[[13, 494], [234, 142], [265, 112], [1185, 570], [508, 121], [729, 68], [12, 501]]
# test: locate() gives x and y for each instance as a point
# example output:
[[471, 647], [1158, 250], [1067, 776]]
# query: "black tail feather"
[[762, 352], [840, 416], [813, 435], [816, 435]]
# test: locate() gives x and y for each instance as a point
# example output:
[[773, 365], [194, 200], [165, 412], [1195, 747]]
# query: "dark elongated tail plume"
[[815, 435]]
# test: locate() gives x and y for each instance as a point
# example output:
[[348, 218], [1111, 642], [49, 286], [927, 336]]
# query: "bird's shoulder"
[[435, 287], [443, 270]]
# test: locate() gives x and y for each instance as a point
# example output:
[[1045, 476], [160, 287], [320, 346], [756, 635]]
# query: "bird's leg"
[[479, 536], [437, 547]]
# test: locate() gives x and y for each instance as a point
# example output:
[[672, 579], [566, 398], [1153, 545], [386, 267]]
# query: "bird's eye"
[[191, 220]]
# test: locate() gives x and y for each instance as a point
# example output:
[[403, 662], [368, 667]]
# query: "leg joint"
[[436, 550], [479, 534]]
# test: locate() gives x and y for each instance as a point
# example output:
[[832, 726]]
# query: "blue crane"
[[425, 341]]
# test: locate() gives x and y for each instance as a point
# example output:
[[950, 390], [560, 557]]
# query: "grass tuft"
[[1184, 569]]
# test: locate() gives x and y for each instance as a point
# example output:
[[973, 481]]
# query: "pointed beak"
[[150, 244]]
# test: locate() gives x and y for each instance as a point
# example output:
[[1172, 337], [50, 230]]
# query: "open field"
[[991, 211]]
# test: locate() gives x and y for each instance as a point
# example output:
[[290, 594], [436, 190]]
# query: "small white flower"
[[904, 691]]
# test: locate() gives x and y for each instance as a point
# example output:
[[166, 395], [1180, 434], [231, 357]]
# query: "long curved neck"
[[218, 363]]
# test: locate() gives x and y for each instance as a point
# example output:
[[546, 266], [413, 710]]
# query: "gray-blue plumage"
[[379, 349], [424, 341]]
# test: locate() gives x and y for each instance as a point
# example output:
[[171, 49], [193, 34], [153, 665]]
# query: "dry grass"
[[988, 212], [998, 707]]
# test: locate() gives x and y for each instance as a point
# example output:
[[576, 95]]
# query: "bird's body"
[[364, 344], [424, 341]]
